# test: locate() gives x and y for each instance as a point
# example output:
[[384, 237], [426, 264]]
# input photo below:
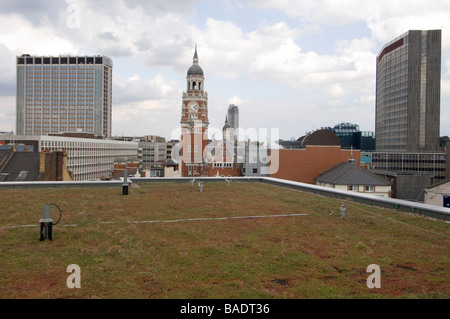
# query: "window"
[[255, 171], [22, 176], [353, 188], [368, 188]]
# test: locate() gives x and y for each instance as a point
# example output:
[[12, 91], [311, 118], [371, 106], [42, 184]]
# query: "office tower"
[[408, 93], [233, 116], [233, 119], [64, 94]]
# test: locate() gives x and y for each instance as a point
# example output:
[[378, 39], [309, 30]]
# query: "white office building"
[[87, 158]]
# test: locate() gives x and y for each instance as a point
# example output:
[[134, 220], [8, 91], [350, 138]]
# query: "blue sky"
[[295, 65]]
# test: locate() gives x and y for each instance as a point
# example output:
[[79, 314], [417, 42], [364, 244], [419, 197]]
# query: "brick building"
[[19, 163], [199, 156], [318, 152]]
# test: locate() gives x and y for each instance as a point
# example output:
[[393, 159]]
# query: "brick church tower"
[[194, 123]]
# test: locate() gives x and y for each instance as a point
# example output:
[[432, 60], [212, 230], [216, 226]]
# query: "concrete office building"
[[256, 160], [169, 147], [87, 158], [408, 93], [153, 152], [63, 94]]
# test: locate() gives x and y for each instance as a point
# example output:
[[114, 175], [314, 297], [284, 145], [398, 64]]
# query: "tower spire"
[[195, 55]]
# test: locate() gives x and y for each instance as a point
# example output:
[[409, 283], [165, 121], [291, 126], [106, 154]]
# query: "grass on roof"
[[317, 255]]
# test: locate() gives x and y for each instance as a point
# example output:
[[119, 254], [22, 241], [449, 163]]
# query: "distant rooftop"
[[347, 173], [19, 166]]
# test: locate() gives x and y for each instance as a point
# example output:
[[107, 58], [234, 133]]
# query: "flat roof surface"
[[243, 240]]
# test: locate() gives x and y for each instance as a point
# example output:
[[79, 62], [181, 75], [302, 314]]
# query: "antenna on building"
[[351, 160]]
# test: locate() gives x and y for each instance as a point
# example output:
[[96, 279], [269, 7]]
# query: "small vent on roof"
[[22, 176], [3, 176]]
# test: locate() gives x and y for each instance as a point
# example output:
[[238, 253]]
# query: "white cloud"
[[386, 19], [143, 107], [7, 113], [445, 89], [137, 89], [26, 38], [268, 53], [336, 90], [236, 100]]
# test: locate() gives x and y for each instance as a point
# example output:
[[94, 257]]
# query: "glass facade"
[[417, 163], [64, 94], [350, 136], [407, 116]]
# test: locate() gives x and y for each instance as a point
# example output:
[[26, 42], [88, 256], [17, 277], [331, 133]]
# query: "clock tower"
[[194, 122]]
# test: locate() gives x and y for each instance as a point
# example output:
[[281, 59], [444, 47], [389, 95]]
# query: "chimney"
[[61, 164]]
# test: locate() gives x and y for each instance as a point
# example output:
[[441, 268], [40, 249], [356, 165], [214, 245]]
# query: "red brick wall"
[[119, 168], [235, 171], [303, 165]]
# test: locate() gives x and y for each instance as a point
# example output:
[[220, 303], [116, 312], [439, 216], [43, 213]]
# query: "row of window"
[[62, 117], [59, 104], [58, 76], [61, 90], [45, 81], [254, 170], [408, 159], [223, 165], [355, 188], [51, 61], [55, 96], [412, 168]]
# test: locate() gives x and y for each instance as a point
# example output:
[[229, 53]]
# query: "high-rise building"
[[233, 119], [408, 93], [64, 94]]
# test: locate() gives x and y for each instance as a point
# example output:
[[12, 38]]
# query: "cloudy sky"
[[292, 65]]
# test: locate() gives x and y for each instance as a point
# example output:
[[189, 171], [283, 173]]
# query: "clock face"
[[193, 106]]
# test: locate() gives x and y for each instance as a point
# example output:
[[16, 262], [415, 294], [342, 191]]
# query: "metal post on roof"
[[46, 223], [343, 210], [125, 183]]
